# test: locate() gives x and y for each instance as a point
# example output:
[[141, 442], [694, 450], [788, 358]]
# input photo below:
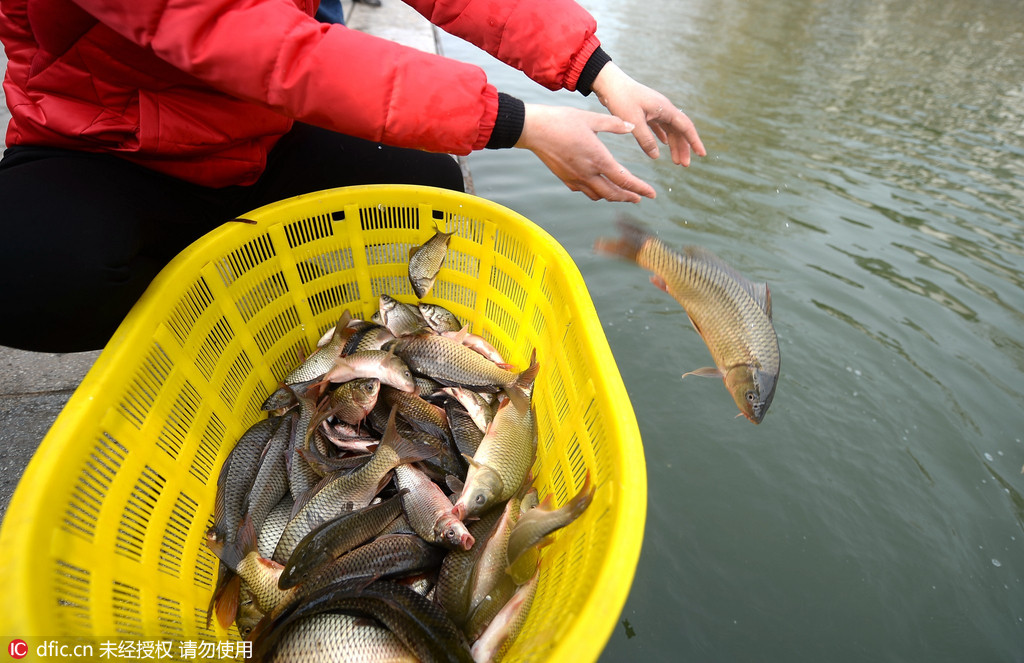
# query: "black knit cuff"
[[598, 59], [508, 125]]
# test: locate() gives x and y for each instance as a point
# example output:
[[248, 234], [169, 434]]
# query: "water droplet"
[[996, 562], [988, 456]]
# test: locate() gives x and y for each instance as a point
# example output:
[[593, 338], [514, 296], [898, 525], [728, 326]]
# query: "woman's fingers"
[[566, 140]]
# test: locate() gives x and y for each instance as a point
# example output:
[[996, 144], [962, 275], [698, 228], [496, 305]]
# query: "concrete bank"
[[35, 386]]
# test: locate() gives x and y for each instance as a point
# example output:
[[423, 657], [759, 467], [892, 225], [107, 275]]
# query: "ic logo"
[[17, 649]]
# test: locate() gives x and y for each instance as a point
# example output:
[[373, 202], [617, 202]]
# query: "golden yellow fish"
[[732, 314]]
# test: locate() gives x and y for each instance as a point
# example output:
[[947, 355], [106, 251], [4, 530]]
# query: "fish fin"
[[546, 504], [473, 463], [518, 398], [456, 485], [407, 450], [526, 378], [767, 305], [225, 603], [461, 335], [343, 322], [248, 539], [696, 327], [706, 372], [628, 244], [414, 250], [659, 282]]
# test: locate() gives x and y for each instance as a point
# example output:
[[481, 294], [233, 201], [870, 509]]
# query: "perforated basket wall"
[[104, 537]]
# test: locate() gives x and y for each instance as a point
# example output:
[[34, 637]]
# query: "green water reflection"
[[866, 158]]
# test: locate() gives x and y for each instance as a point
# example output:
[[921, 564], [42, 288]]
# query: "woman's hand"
[[650, 112], [565, 139]]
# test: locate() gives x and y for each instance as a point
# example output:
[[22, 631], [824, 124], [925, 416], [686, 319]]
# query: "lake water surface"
[[866, 159]]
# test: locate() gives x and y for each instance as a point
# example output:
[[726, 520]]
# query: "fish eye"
[[480, 499], [751, 397]]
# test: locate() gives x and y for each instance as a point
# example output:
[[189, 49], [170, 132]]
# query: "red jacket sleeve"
[[273, 53], [548, 40]]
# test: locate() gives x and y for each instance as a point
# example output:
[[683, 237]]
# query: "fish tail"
[[628, 245], [527, 377], [225, 600]]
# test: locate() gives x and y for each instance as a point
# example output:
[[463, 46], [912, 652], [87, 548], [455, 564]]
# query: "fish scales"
[[338, 637], [451, 363], [731, 313], [734, 326]]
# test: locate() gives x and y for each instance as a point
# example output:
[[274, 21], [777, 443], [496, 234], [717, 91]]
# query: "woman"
[[139, 125]]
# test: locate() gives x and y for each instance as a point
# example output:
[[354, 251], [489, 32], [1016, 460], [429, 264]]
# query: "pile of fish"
[[383, 509]]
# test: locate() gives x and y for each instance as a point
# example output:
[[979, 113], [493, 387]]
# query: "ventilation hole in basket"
[[513, 248], [539, 322], [332, 262], [243, 259], [205, 632], [547, 437], [127, 609], [462, 263], [289, 359], [554, 577], [131, 533], [144, 387], [596, 432], [205, 458], [212, 349], [338, 216], [189, 309], [92, 486], [172, 547], [447, 291], [277, 328], [73, 589], [467, 227], [558, 487], [500, 317], [545, 287], [558, 395], [179, 420], [383, 217], [578, 552], [390, 285], [506, 285], [308, 230], [235, 379], [171, 618], [333, 298], [392, 253], [205, 562], [261, 295], [577, 463]]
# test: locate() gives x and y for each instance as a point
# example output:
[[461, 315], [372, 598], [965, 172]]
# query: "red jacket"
[[203, 89]]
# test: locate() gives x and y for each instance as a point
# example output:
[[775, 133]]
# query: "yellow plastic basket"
[[104, 537]]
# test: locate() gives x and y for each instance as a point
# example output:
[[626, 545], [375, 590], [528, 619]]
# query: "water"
[[865, 158]]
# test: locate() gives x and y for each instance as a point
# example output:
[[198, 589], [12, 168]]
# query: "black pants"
[[82, 235]]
